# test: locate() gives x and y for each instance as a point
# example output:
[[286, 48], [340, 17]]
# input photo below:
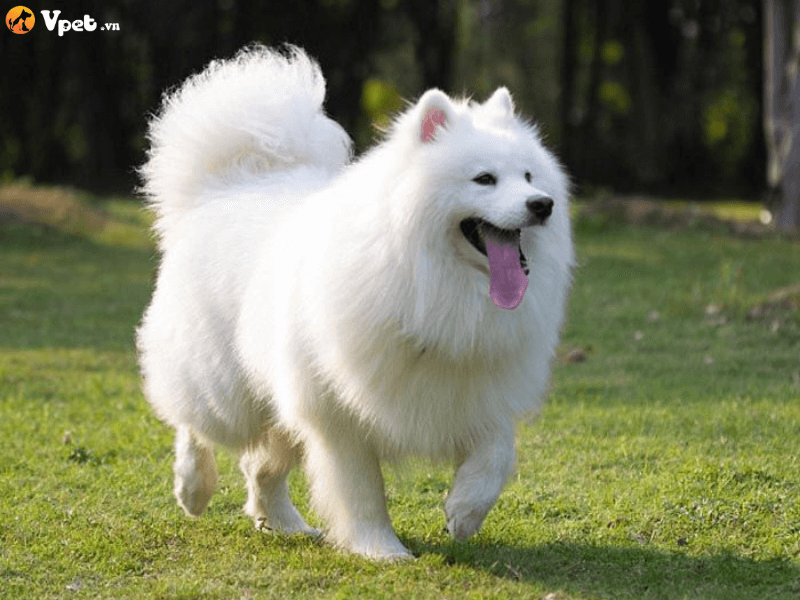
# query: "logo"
[[20, 19]]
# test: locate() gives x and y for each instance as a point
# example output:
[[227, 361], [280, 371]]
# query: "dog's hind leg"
[[266, 465], [195, 471]]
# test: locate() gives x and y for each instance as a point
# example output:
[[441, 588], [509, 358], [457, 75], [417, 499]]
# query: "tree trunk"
[[782, 108]]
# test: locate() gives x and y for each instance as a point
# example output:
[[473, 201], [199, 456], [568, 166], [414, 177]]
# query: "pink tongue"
[[508, 282]]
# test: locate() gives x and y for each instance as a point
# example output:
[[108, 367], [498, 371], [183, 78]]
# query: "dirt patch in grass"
[[49, 207], [642, 211], [779, 306]]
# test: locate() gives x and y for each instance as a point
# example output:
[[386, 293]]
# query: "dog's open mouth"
[[508, 266], [474, 230]]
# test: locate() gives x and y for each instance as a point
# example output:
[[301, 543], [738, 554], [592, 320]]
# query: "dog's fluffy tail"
[[257, 113]]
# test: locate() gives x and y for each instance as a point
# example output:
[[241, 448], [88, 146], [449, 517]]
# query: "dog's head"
[[493, 182]]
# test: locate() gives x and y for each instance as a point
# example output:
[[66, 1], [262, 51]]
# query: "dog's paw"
[[463, 519], [301, 528], [381, 545], [281, 517], [389, 552], [193, 493]]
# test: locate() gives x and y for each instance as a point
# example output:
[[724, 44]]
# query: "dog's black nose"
[[540, 207]]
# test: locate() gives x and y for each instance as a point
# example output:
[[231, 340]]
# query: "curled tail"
[[257, 113]]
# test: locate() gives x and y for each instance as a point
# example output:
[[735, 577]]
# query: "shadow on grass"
[[626, 572]]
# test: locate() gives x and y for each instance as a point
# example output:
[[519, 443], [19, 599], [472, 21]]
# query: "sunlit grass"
[[664, 465], [732, 210]]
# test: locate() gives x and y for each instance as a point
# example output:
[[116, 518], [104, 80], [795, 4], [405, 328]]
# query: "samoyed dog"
[[335, 312]]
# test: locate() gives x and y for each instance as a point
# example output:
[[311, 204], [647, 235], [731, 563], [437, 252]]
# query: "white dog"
[[345, 312]]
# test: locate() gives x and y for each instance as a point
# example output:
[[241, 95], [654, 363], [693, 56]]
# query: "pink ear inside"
[[433, 119]]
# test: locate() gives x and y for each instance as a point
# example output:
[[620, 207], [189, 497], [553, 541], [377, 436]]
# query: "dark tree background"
[[664, 95], [660, 97]]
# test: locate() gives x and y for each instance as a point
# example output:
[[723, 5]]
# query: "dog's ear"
[[436, 111], [500, 101]]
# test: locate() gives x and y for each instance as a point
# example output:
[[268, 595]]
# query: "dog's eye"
[[528, 176], [485, 179]]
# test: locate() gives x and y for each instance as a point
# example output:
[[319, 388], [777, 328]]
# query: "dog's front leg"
[[347, 491], [478, 482]]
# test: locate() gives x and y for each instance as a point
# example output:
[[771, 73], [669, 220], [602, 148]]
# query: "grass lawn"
[[666, 463]]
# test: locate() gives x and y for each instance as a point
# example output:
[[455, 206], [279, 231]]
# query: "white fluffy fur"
[[306, 306]]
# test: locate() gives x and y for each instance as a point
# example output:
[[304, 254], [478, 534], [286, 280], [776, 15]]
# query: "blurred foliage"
[[727, 128], [615, 97], [380, 100], [657, 97]]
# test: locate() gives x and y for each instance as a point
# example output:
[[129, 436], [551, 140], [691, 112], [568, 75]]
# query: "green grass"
[[665, 465]]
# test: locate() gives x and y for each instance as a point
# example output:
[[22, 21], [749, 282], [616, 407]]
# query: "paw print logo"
[[20, 19]]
